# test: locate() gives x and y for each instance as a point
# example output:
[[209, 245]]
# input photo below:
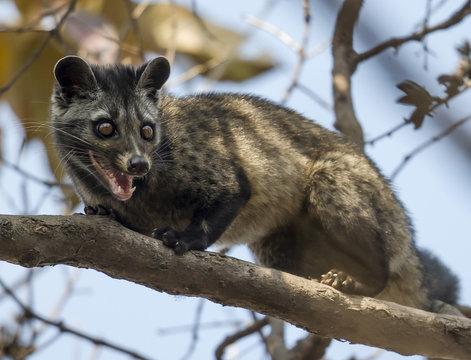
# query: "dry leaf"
[[419, 97]]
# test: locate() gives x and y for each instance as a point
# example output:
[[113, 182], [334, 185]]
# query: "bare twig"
[[171, 50], [135, 27], [454, 19], [207, 325], [41, 47], [196, 70], [301, 52], [428, 13], [40, 202], [31, 27], [317, 98], [29, 176], [22, 30], [21, 282], [276, 340], [64, 297], [387, 133], [260, 332], [444, 101], [311, 347], [62, 328], [202, 23], [195, 329], [426, 144], [254, 327], [281, 35]]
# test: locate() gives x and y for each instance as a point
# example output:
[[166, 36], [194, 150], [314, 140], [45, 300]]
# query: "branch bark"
[[104, 245], [345, 62]]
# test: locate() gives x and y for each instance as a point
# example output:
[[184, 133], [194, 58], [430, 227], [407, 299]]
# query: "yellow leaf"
[[29, 10], [166, 27], [30, 93]]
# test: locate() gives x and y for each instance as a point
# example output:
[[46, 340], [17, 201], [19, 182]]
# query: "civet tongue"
[[119, 183]]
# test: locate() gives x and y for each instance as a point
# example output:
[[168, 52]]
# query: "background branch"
[[51, 33], [456, 18], [426, 144], [29, 313], [102, 244], [344, 66]]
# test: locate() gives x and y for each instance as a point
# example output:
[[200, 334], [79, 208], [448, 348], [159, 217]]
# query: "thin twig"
[[171, 50], [62, 328], [319, 100], [135, 28], [22, 30], [23, 281], [426, 144], [444, 101], [254, 327], [387, 133], [195, 329], [426, 50], [202, 23], [64, 297], [275, 342], [41, 47], [29, 176], [311, 347], [301, 52], [40, 202], [417, 36], [31, 26], [260, 332], [196, 70], [281, 35], [208, 325]]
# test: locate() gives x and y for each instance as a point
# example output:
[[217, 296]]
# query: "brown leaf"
[[452, 84], [464, 49], [415, 94], [419, 97]]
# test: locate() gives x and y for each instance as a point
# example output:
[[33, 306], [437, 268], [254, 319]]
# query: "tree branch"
[[102, 244], [254, 327], [456, 18], [427, 144], [344, 66], [65, 329]]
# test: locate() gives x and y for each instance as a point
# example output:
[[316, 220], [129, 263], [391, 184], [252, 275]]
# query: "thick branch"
[[102, 244], [345, 61]]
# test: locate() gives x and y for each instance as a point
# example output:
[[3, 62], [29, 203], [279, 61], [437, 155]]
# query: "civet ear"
[[74, 76], [155, 74]]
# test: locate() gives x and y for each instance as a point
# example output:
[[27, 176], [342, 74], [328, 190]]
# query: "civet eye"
[[147, 132], [106, 128]]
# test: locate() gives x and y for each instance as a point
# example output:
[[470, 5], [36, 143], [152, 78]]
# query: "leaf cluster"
[[425, 103]]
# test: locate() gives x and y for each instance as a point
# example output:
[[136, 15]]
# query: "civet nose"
[[138, 165]]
